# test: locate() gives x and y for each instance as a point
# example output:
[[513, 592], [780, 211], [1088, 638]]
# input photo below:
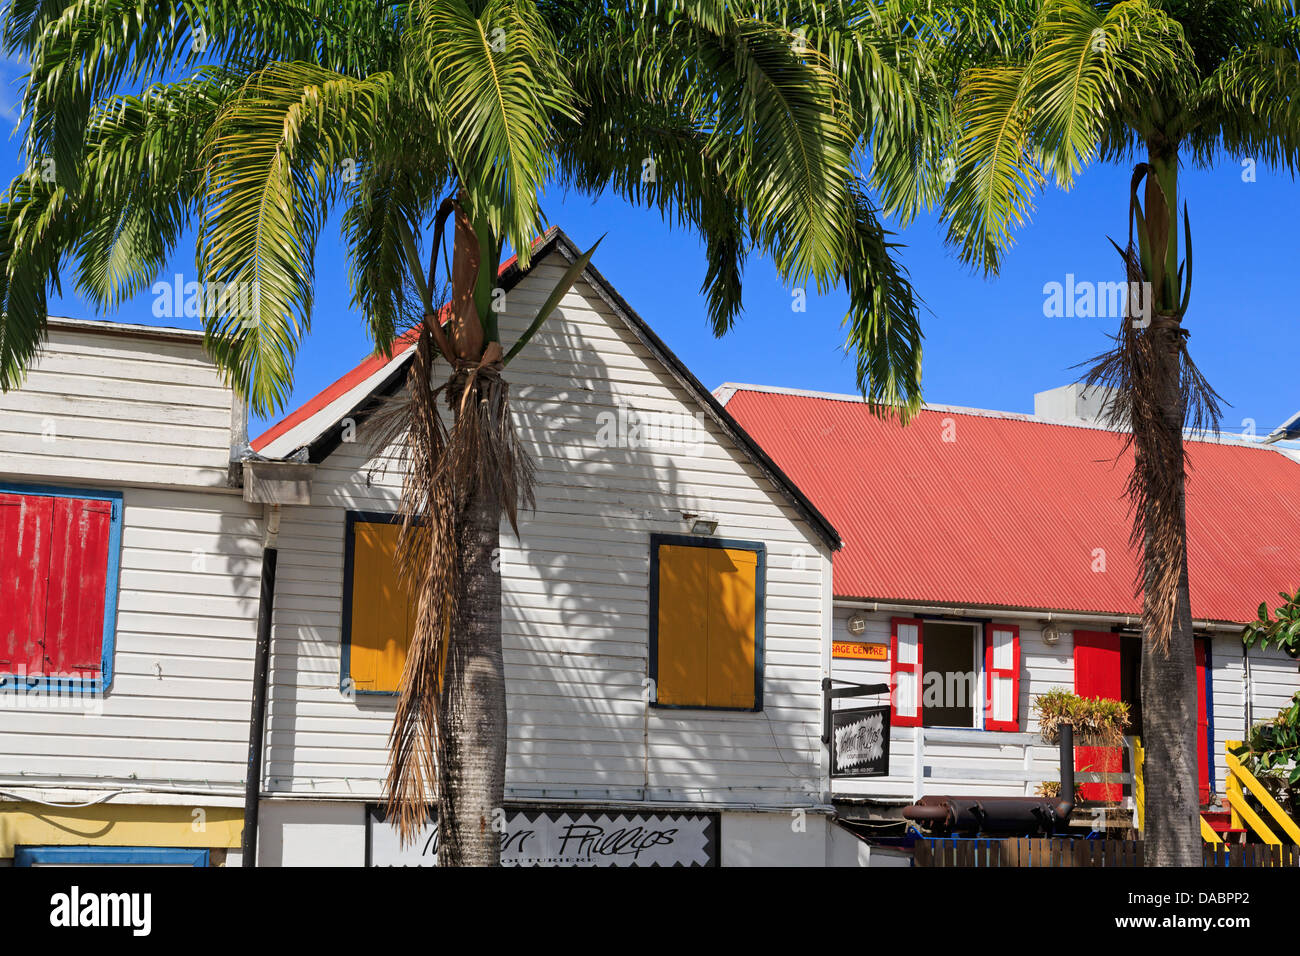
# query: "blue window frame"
[[109, 856], [73, 685]]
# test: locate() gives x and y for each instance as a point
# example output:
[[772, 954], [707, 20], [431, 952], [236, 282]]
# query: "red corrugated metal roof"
[[979, 509]]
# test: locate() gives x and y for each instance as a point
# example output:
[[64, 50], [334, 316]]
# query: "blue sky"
[[987, 342]]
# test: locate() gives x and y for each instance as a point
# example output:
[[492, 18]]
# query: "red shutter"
[[24, 569], [1002, 677], [905, 671], [1202, 723], [1097, 674], [74, 631]]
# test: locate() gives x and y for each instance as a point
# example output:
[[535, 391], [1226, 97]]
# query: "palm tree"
[[1047, 87], [744, 123]]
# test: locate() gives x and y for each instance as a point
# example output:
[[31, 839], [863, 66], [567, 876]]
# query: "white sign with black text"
[[569, 837]]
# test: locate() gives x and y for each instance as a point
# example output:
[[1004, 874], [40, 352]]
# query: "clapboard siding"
[[177, 711], [118, 406], [575, 594], [1275, 679]]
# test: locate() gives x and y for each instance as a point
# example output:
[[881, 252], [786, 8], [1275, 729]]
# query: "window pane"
[[907, 643]]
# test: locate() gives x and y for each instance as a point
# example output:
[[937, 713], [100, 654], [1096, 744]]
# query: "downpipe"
[[261, 666]]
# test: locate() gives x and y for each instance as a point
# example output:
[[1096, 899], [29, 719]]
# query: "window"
[[59, 558], [378, 615], [706, 622], [955, 674]]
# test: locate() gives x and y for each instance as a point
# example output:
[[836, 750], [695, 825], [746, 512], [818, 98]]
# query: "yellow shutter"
[[381, 618], [732, 588], [683, 618], [707, 625]]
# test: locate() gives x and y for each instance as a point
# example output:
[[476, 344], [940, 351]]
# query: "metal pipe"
[[261, 667], [1066, 806]]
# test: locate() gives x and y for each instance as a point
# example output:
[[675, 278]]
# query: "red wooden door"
[[24, 570], [1097, 674], [74, 617]]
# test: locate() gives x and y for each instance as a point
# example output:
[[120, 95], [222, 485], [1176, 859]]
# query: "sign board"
[[860, 742], [857, 651], [568, 837]]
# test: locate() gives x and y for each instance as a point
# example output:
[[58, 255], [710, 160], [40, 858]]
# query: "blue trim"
[[349, 546], [760, 611], [95, 686], [109, 856]]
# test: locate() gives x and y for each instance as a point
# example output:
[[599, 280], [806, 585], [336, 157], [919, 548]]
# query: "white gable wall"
[[575, 596]]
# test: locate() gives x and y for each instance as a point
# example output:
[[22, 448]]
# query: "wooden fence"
[[1061, 851]]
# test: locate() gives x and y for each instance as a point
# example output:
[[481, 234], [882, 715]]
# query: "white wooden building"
[[629, 448], [642, 475], [988, 552], [123, 544]]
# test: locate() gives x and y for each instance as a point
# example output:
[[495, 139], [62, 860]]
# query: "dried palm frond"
[[447, 458]]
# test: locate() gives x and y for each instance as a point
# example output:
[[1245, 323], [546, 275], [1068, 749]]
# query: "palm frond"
[[143, 167], [996, 175], [884, 335], [497, 86], [274, 161], [38, 222]]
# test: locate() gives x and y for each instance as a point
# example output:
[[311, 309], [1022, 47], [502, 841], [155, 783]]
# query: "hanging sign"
[[568, 837], [860, 742], [857, 651]]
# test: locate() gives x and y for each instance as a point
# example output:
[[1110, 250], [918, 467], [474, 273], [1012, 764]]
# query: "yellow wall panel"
[[109, 824]]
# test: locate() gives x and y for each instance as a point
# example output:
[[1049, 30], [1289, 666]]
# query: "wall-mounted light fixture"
[[700, 524], [856, 624], [1051, 634]]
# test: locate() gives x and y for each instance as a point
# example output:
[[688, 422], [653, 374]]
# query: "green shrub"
[[1098, 721]]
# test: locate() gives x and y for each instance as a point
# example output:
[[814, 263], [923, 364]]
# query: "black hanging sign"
[[860, 742]]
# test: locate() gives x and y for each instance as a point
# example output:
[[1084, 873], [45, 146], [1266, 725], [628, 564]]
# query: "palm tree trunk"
[[1173, 835], [1169, 698], [472, 781]]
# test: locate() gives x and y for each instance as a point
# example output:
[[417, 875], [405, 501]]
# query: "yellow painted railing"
[[1243, 813], [1139, 784], [1240, 780]]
